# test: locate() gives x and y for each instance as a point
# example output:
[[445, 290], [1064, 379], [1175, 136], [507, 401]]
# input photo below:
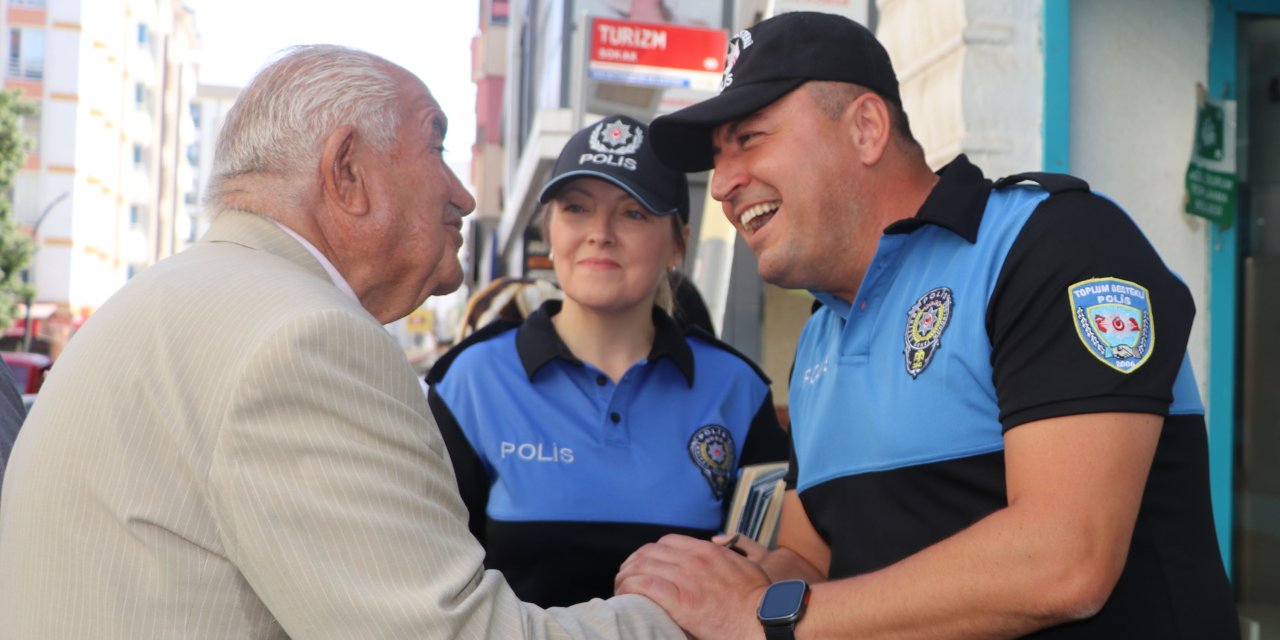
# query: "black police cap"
[[617, 149], [766, 62]]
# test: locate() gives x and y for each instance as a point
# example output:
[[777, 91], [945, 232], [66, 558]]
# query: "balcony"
[[26, 69]]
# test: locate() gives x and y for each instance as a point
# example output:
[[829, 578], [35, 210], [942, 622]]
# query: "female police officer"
[[596, 425]]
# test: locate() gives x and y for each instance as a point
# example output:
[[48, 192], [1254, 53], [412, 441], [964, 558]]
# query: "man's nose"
[[727, 177], [461, 197]]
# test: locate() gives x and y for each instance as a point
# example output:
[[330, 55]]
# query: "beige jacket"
[[233, 448]]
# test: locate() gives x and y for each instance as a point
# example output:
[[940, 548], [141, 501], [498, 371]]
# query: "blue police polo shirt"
[[993, 307], [566, 472]]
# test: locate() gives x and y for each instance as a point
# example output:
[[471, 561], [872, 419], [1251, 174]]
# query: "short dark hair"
[[832, 97]]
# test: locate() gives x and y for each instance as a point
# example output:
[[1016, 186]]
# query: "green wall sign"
[[1211, 174]]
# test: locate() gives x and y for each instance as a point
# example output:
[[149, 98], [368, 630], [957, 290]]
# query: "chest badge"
[[926, 320], [711, 448], [1113, 319]]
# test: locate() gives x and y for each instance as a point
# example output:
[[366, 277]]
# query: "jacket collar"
[[260, 233]]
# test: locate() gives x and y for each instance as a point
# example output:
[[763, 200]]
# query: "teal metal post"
[[1056, 127]]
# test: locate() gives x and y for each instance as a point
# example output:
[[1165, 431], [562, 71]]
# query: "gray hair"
[[279, 122]]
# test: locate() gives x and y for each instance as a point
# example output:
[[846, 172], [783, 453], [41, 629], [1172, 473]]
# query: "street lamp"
[[31, 271]]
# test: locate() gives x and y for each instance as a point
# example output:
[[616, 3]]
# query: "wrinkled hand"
[[707, 589]]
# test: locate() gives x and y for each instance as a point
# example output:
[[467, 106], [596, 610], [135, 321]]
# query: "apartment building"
[[107, 189], [209, 108], [489, 64]]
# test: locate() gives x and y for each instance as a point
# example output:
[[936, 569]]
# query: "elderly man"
[[233, 447]]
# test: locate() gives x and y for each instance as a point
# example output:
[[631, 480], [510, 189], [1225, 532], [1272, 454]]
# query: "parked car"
[[28, 369]]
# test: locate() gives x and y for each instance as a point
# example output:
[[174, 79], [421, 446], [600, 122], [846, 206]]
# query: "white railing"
[[27, 69]]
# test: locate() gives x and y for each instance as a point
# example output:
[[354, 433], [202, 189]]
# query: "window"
[[143, 36], [26, 53], [135, 214], [139, 94], [31, 128], [197, 111], [193, 154], [137, 154]]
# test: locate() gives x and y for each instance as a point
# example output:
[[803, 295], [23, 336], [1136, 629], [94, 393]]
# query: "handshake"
[[729, 587]]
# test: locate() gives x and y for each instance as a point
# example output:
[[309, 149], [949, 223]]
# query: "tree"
[[16, 248]]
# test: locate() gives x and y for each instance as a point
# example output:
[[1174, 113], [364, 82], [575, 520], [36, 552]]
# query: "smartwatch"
[[782, 607]]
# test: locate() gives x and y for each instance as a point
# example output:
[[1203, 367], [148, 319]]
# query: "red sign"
[[499, 12], [664, 55]]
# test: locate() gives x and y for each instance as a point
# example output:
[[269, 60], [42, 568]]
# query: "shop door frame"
[[1224, 283]]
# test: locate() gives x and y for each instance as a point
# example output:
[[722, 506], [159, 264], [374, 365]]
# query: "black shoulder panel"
[[697, 332], [1052, 182], [483, 333]]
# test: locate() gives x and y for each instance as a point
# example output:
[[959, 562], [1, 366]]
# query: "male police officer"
[[996, 429]]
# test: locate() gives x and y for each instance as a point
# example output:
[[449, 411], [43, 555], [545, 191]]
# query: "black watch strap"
[[783, 632]]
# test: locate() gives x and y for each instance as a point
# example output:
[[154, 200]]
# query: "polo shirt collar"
[[537, 342], [956, 202]]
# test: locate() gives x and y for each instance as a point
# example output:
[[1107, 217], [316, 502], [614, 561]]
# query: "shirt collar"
[[338, 280], [537, 342], [956, 203]]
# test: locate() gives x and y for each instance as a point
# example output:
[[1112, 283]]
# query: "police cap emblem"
[[615, 137]]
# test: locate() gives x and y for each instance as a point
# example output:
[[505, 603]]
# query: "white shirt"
[[338, 280]]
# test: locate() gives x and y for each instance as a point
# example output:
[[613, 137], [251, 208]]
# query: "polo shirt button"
[[615, 417], [600, 380]]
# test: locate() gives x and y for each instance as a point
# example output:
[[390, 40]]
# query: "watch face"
[[783, 602]]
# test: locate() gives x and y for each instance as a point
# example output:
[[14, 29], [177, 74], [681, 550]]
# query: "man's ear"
[[342, 174], [870, 126]]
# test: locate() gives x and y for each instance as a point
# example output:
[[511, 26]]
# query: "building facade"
[[106, 190], [208, 110]]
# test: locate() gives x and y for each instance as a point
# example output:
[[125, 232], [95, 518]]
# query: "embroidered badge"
[[615, 137], [711, 448], [1113, 319], [926, 320], [736, 45]]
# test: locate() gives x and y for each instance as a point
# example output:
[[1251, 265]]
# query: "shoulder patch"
[[711, 448], [1114, 321], [926, 320]]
